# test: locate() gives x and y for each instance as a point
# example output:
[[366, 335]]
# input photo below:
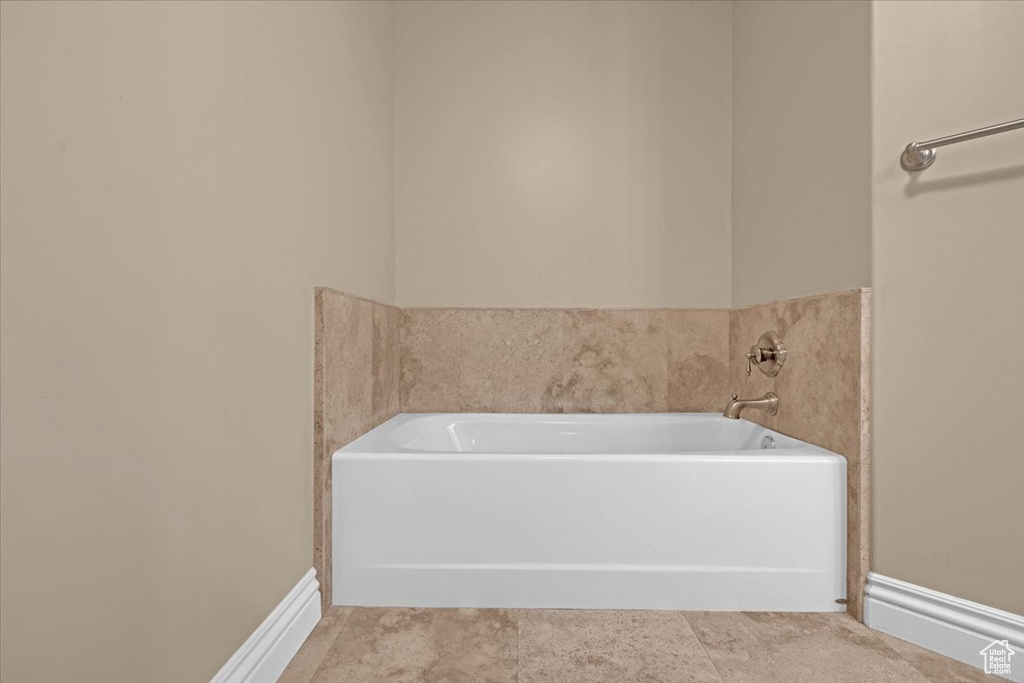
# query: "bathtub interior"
[[567, 433]]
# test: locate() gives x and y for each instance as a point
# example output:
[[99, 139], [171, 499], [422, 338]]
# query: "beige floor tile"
[[313, 652], [610, 645], [378, 645], [936, 667], [752, 647], [481, 646]]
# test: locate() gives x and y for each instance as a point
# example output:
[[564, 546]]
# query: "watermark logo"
[[997, 658]]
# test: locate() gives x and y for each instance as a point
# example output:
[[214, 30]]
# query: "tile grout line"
[[702, 646]]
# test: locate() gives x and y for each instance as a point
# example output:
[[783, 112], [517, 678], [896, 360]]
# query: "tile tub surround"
[[564, 360], [824, 392], [590, 646], [596, 360], [355, 386]]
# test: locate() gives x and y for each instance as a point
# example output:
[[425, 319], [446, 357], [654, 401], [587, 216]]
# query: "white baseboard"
[[942, 623], [266, 653]]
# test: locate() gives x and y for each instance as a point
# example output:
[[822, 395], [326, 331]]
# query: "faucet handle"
[[768, 354], [735, 396]]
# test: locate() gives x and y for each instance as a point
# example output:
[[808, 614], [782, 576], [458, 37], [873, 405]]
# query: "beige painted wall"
[[175, 179], [949, 301], [801, 190], [563, 154]]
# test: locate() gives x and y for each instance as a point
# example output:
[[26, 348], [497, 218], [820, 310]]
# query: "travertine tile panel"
[[431, 358], [566, 646], [698, 360], [763, 647], [822, 375], [612, 362], [746, 325], [348, 368], [321, 507], [823, 394], [425, 646], [855, 573], [863, 562], [865, 376], [508, 358], [355, 385], [564, 360], [345, 375], [821, 401], [386, 372], [317, 645]]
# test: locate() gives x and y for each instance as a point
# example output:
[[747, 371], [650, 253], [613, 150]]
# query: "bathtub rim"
[[376, 442]]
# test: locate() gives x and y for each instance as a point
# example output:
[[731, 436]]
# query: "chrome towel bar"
[[920, 155]]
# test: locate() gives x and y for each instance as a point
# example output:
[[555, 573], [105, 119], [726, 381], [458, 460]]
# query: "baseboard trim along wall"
[[265, 654], [942, 623]]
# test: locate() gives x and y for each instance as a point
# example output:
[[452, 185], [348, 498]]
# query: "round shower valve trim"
[[768, 354]]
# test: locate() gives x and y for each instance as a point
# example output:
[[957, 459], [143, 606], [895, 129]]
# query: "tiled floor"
[[371, 645]]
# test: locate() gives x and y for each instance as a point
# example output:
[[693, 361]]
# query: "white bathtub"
[[588, 511]]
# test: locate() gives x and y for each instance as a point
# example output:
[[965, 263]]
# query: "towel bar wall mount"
[[920, 155]]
